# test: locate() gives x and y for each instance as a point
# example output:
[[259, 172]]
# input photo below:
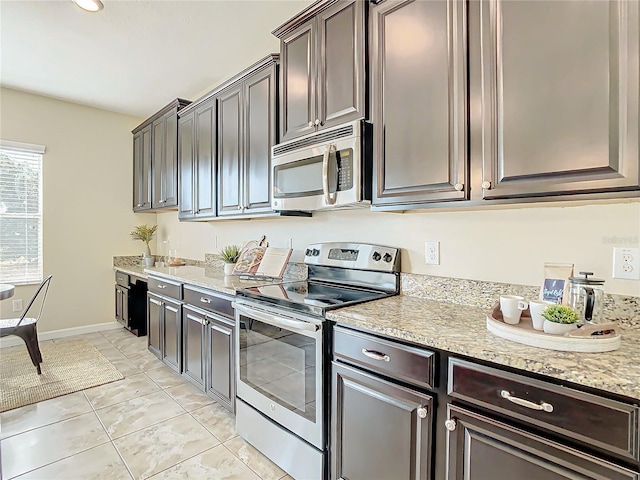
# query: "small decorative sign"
[[555, 286]]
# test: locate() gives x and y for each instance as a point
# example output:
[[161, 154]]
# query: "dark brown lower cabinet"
[[193, 346], [172, 334], [221, 366], [154, 324], [164, 327], [122, 305], [208, 354], [481, 448], [380, 430]]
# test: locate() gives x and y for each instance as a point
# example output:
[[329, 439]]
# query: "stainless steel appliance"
[[324, 170], [283, 350]]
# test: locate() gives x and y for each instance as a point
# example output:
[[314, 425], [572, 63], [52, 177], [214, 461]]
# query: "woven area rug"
[[67, 367]]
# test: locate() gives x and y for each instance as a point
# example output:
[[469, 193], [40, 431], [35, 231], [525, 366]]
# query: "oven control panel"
[[362, 256]]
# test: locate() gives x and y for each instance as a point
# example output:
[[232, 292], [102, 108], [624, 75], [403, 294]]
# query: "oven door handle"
[[277, 321], [329, 198]]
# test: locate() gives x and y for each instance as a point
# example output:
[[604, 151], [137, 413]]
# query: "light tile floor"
[[151, 424]]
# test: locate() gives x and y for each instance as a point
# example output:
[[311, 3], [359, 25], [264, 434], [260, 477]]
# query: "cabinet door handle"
[[422, 412], [544, 406], [486, 185], [203, 321], [311, 124], [459, 186], [317, 122], [450, 425], [205, 300], [140, 205], [162, 286], [376, 355]]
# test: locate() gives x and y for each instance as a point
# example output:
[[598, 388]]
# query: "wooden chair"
[[25, 327]]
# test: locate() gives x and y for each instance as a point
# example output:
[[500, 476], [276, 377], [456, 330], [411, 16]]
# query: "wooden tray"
[[588, 338]]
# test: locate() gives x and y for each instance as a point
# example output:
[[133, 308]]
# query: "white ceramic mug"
[[512, 307], [536, 307]]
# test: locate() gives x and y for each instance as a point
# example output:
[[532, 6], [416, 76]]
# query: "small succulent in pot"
[[230, 254], [559, 319], [560, 314]]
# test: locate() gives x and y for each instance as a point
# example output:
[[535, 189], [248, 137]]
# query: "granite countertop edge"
[[461, 330]]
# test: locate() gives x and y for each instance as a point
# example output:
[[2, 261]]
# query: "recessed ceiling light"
[[89, 5]]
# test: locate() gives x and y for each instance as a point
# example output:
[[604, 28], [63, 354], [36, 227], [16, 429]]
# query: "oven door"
[[279, 368]]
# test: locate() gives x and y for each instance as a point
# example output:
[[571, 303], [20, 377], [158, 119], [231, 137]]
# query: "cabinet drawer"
[[122, 279], [208, 300], [389, 358], [164, 287], [595, 420]]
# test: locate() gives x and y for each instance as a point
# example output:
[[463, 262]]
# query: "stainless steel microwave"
[[324, 170]]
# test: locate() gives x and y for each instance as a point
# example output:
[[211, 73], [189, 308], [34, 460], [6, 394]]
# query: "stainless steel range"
[[282, 359]]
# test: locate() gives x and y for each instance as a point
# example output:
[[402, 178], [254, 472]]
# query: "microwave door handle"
[[277, 321], [329, 198]]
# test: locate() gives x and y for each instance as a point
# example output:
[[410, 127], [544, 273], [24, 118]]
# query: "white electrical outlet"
[[17, 305], [432, 253], [626, 263]]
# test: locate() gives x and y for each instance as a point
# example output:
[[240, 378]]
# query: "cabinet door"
[[419, 99], [380, 430], [186, 155], [341, 63], [259, 137], [142, 169], [172, 334], [154, 324], [170, 169], [119, 302], [193, 335], [221, 384], [298, 82], [562, 118], [205, 190], [230, 151], [480, 448], [158, 162]]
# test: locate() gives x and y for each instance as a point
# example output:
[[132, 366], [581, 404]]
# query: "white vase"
[[148, 261], [228, 268], [558, 328]]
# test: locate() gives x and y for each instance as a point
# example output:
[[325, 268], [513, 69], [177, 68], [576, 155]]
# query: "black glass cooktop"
[[310, 297]]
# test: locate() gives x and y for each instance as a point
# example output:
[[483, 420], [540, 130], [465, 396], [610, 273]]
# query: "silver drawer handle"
[[205, 300], [547, 407], [162, 286], [376, 355]]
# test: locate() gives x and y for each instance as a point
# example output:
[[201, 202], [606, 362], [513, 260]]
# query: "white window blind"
[[20, 213]]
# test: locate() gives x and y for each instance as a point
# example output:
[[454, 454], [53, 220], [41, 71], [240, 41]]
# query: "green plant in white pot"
[[230, 255], [145, 234], [559, 319]]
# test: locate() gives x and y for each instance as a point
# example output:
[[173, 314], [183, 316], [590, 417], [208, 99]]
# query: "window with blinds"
[[20, 213]]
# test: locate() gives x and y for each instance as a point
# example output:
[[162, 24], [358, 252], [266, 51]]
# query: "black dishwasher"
[[131, 303]]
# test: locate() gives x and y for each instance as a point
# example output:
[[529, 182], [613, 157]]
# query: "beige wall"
[[87, 213], [504, 245]]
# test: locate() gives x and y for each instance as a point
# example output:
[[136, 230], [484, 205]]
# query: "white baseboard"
[[64, 332]]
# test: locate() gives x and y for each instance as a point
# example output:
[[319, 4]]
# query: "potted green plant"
[[559, 319], [145, 233], [230, 255]]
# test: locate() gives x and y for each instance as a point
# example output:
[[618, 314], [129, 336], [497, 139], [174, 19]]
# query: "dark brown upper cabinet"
[[322, 73], [419, 102], [155, 160], [196, 159], [142, 169], [554, 109], [246, 133]]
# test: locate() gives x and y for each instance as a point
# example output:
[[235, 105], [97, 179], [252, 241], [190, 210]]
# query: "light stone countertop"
[[461, 329], [211, 278]]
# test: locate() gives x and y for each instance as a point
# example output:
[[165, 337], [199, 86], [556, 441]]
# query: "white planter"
[[228, 268], [558, 328], [149, 261]]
